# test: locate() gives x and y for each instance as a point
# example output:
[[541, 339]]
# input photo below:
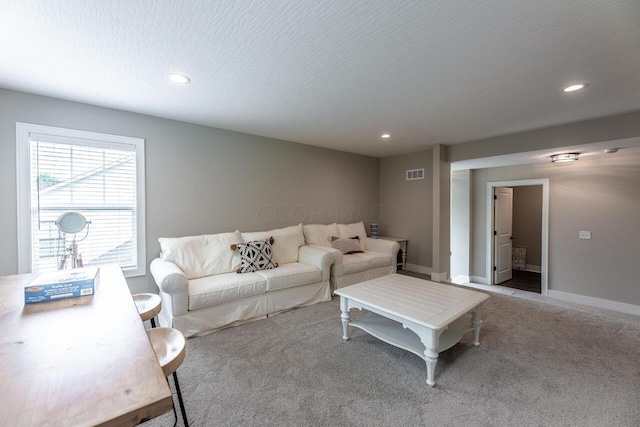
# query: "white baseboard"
[[533, 268], [595, 302], [439, 277], [460, 279], [436, 277], [481, 280], [419, 269]]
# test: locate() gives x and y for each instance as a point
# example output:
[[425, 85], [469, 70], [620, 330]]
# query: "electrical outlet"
[[585, 234]]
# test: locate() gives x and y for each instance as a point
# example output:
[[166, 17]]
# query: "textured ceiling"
[[333, 73]]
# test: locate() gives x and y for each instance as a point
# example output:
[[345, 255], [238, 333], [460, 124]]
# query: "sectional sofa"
[[377, 257], [202, 290]]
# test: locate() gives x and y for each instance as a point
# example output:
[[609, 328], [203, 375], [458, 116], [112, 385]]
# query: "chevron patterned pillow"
[[255, 255]]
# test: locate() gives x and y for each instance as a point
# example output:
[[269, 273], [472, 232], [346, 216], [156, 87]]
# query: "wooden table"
[[403, 246], [79, 361], [420, 316]]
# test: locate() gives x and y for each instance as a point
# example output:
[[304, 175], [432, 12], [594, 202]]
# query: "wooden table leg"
[[476, 323], [431, 358], [345, 316], [429, 339], [404, 257]]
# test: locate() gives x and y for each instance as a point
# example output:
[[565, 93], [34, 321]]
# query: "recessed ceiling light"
[[179, 78], [564, 157], [610, 150], [573, 88], [385, 135]]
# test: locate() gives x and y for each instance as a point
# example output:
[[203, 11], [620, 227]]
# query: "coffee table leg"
[[431, 358], [476, 322], [345, 316], [429, 339]]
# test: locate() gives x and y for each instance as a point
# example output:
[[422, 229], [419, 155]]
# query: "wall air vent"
[[415, 174]]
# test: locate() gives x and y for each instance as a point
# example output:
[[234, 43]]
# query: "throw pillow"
[[347, 246], [354, 229], [255, 255], [288, 242], [201, 256], [319, 234]]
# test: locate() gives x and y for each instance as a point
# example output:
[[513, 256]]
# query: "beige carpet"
[[538, 365]]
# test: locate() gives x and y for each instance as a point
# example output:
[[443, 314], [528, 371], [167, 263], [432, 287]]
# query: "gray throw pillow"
[[347, 246]]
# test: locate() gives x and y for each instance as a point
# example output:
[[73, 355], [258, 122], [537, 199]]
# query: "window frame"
[[24, 134]]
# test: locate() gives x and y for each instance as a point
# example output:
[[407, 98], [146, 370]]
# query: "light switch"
[[585, 234]]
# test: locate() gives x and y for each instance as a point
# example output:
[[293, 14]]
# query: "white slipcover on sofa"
[[378, 258], [202, 292]]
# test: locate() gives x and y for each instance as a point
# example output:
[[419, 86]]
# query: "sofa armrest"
[[337, 268], [384, 246], [173, 285], [317, 256]]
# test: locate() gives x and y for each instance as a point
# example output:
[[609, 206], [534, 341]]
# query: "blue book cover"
[[62, 284]]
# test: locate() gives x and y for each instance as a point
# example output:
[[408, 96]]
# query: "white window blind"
[[96, 178]]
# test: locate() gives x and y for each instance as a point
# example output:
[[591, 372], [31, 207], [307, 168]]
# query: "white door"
[[503, 208]]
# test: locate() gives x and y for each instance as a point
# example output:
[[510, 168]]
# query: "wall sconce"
[[565, 157]]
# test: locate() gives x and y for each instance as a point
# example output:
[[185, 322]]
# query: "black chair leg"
[[184, 412], [175, 414], [153, 322]]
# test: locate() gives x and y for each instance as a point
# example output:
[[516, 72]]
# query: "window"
[[97, 175]]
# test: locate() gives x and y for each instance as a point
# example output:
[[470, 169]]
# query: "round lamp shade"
[[71, 222]]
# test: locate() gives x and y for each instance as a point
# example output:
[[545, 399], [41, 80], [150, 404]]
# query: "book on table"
[[61, 284]]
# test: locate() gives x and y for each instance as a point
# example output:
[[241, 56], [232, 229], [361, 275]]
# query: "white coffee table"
[[419, 316]]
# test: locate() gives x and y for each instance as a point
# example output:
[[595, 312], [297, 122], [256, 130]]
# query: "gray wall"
[[598, 194], [406, 207], [201, 179], [527, 221], [441, 211]]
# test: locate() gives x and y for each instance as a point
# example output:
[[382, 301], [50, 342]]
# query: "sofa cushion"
[[255, 255], [378, 259], [286, 245], [355, 263], [320, 234], [222, 288], [200, 256], [355, 229], [289, 275]]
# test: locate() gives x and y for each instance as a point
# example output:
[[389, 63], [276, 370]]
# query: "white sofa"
[[202, 292], [377, 259]]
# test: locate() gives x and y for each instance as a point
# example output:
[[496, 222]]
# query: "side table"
[[403, 246]]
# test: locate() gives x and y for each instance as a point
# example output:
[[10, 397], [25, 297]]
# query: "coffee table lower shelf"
[[394, 333]]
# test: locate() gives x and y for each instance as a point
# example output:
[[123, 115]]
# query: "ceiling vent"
[[415, 174]]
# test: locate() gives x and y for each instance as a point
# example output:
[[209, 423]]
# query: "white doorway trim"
[[544, 285]]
